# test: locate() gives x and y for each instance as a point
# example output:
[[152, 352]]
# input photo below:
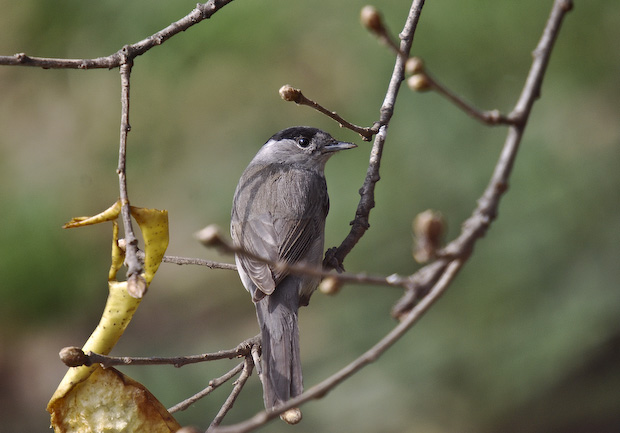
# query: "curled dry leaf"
[[109, 401], [119, 309]]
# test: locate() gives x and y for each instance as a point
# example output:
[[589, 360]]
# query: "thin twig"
[[248, 364], [476, 226], [334, 257], [213, 384], [243, 349], [289, 93], [136, 285], [201, 12], [492, 117], [211, 236], [177, 260], [371, 19]]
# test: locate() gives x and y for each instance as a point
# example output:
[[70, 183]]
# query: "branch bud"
[[73, 356], [414, 65], [372, 20], [330, 285], [428, 229], [289, 93], [291, 416], [210, 236], [136, 286], [419, 82]]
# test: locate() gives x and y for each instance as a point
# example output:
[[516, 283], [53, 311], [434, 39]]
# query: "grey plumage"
[[278, 213]]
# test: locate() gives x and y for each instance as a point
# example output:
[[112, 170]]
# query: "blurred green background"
[[526, 340]]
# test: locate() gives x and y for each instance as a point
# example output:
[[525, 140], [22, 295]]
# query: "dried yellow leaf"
[[109, 401]]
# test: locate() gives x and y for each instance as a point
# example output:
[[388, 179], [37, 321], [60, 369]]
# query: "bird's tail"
[[280, 370]]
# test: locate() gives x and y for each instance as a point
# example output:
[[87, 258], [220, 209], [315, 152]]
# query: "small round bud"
[[428, 228], [210, 236], [419, 82], [414, 65], [371, 19], [330, 285], [291, 416], [289, 93], [122, 244], [73, 356], [136, 286]]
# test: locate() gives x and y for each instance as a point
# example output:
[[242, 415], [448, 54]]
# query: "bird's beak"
[[338, 145]]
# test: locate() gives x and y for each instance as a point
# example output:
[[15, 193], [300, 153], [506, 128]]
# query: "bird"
[[278, 214]]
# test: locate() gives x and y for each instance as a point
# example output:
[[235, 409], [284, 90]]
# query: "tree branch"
[[289, 93], [213, 384], [334, 257], [476, 226], [239, 384], [74, 356], [201, 12]]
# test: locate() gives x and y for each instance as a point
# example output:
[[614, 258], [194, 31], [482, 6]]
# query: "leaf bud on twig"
[[414, 65], [371, 19], [291, 416], [289, 93], [73, 356], [210, 236], [330, 285], [419, 82], [428, 229]]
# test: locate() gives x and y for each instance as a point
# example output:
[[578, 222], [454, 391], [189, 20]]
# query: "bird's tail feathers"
[[281, 374]]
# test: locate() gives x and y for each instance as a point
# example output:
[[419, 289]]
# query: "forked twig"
[[213, 385]]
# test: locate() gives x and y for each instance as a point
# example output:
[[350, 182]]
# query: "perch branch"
[[211, 236]]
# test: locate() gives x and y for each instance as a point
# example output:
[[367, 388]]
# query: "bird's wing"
[[299, 219], [281, 220], [256, 236]]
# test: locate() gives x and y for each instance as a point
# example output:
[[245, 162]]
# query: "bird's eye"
[[303, 142]]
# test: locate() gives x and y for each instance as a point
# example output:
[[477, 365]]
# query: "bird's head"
[[301, 145]]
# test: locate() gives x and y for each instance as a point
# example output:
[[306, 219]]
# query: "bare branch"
[[424, 81], [74, 356], [334, 257], [136, 285], [211, 236], [178, 260], [213, 384], [202, 11], [371, 19], [289, 93], [476, 226], [239, 384]]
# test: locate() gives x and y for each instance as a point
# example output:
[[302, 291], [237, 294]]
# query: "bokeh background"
[[526, 340]]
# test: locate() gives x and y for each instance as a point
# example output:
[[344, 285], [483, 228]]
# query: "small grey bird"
[[278, 213]]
